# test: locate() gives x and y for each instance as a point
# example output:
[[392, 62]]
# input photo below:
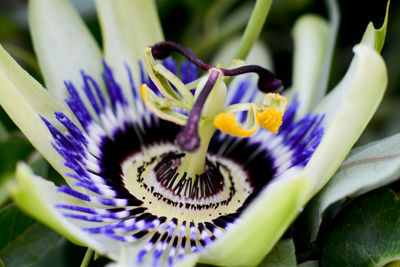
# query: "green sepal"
[[376, 37], [347, 109], [25, 100]]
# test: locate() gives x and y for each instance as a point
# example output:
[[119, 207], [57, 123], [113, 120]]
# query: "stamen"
[[188, 139]]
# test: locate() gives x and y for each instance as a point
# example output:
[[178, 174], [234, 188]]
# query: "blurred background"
[[204, 26]]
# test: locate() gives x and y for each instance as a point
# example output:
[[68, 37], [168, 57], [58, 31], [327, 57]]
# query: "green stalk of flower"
[[253, 28]]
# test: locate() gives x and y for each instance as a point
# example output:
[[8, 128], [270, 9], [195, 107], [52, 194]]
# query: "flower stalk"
[[87, 257], [253, 29]]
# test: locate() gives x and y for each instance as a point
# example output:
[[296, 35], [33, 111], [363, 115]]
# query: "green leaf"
[[11, 151], [366, 233], [376, 37], [3, 132], [25, 241], [366, 168], [282, 255], [309, 264]]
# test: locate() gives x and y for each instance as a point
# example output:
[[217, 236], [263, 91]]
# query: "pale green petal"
[[128, 26], [261, 224], [188, 261], [37, 197], [348, 109], [63, 45], [311, 36], [24, 100], [318, 86]]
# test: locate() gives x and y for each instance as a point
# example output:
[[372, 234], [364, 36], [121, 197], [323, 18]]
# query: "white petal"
[[128, 26], [311, 35], [63, 45]]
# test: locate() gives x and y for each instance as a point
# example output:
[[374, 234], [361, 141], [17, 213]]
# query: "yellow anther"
[[227, 123], [270, 119], [275, 100], [143, 92], [269, 115]]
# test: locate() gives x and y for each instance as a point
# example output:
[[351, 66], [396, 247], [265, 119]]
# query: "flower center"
[[134, 184], [153, 176], [205, 109]]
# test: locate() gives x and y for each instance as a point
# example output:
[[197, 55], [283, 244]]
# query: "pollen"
[[227, 123], [270, 119]]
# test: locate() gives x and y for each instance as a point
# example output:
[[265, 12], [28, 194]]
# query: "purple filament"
[[267, 82]]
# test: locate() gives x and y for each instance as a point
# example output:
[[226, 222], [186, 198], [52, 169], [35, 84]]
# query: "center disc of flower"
[[153, 177]]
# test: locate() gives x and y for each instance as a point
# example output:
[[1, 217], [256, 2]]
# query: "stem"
[[253, 29], [88, 256]]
